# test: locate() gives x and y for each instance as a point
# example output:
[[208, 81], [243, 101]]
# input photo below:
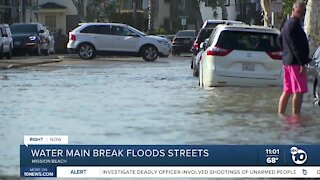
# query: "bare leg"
[[283, 102], [296, 103]]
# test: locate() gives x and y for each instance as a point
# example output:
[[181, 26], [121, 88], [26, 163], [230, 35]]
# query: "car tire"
[[53, 52], [316, 92], [45, 52], [149, 53], [195, 70], [9, 54], [37, 51], [86, 51], [1, 53], [176, 53], [200, 76]]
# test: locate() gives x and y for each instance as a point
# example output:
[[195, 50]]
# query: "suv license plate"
[[248, 67]]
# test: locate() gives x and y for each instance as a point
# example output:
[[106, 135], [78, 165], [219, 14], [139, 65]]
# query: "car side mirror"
[[202, 46], [41, 31], [205, 43]]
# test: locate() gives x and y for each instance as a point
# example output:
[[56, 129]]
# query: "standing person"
[[293, 41]]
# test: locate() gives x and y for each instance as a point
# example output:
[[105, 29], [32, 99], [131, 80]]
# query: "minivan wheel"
[[195, 70], [86, 51], [149, 53], [316, 93]]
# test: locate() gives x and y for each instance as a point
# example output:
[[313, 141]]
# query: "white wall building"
[[55, 14], [207, 12]]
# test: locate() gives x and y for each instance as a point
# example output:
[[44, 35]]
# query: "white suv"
[[90, 39], [241, 55]]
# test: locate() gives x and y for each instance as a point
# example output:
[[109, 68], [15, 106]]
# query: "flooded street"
[[136, 102]]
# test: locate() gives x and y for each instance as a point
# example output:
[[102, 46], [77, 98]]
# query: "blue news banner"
[[43, 160]]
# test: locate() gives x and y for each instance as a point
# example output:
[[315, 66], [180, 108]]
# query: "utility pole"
[[134, 13]]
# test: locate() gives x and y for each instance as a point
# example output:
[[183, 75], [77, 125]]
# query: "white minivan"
[[90, 39], [241, 55]]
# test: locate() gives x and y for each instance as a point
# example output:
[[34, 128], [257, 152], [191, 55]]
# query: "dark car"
[[182, 42], [203, 34], [28, 38]]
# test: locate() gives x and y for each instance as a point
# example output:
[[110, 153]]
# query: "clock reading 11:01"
[[272, 156], [272, 151]]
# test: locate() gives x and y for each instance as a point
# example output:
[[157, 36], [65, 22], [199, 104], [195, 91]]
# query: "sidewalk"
[[24, 61]]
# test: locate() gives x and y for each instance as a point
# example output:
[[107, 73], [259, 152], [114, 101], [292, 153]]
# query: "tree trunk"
[[266, 8], [312, 24], [173, 14], [197, 14], [224, 12], [80, 8]]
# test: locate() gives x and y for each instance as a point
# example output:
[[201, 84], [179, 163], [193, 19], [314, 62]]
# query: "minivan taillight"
[[72, 37], [217, 51], [276, 55]]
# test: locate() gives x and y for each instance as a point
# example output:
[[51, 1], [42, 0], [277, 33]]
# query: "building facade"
[[9, 11], [58, 15]]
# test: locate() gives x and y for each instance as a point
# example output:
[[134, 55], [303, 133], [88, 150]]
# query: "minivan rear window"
[[248, 41]]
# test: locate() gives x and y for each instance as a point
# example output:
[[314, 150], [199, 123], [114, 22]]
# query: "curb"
[[12, 66]]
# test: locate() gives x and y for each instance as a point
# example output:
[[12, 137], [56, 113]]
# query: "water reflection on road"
[[140, 103]]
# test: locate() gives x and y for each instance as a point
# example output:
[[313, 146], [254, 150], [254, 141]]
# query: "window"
[[248, 41], [121, 31], [51, 22], [97, 29]]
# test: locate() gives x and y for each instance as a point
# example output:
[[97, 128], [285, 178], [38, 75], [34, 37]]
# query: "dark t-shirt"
[[294, 43]]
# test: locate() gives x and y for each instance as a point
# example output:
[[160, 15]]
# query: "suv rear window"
[[248, 41], [186, 33]]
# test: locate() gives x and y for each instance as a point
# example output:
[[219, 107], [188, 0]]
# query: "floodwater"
[[140, 103]]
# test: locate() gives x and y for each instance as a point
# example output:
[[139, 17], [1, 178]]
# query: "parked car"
[[316, 83], [28, 37], [182, 42], [50, 49], [196, 61], [241, 55], [205, 33], [90, 39], [6, 41]]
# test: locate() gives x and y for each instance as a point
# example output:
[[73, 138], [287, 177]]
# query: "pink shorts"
[[294, 82]]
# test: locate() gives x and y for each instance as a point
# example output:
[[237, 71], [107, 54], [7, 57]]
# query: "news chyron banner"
[[52, 156]]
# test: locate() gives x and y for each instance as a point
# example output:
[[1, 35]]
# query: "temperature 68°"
[[272, 160]]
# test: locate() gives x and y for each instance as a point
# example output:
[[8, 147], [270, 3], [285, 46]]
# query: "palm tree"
[[312, 24], [266, 8], [214, 4]]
